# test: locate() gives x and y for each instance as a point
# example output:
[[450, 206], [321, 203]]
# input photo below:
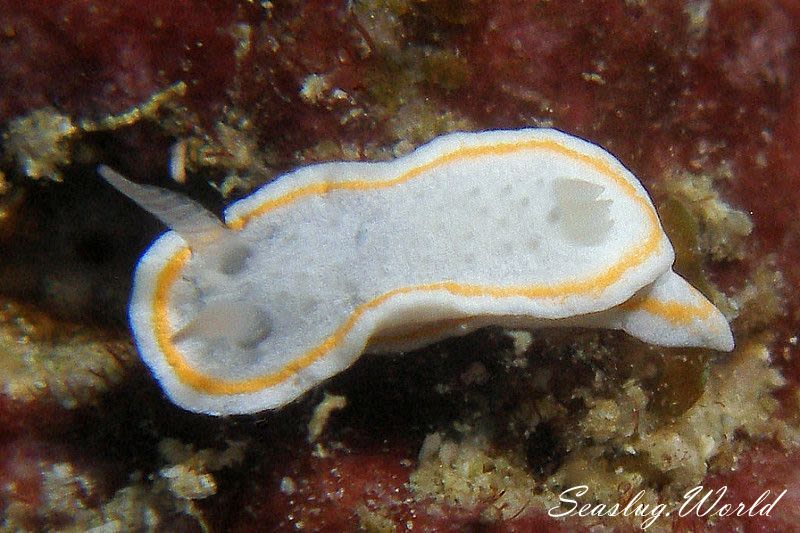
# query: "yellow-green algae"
[[394, 80], [613, 438], [704, 228], [41, 143], [761, 301], [44, 142], [72, 499], [375, 521], [718, 230], [152, 109], [48, 360], [322, 413], [399, 72]]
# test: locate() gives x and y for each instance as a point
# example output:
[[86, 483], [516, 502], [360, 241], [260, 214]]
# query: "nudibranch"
[[524, 228]]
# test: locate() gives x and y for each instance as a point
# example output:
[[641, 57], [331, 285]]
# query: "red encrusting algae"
[[695, 88]]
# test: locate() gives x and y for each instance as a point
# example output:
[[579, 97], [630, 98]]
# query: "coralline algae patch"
[[102, 68], [528, 55], [754, 474]]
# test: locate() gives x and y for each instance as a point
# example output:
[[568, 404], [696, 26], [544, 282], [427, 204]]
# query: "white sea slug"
[[525, 228]]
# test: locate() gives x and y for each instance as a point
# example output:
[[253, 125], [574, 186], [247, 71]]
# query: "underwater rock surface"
[[699, 98]]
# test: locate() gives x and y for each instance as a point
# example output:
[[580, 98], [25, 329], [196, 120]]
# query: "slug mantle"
[[522, 228]]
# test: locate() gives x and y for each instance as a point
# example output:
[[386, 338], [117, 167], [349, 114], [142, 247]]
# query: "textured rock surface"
[[700, 98]]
